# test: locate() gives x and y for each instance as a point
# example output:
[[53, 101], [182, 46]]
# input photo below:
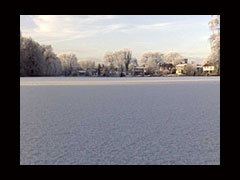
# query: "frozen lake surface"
[[80, 120]]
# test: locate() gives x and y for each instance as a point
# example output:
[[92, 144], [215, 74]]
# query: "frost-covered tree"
[[110, 61], [69, 63], [22, 68], [20, 40], [31, 58], [151, 60], [108, 58], [86, 64], [37, 60], [118, 59], [214, 23], [189, 69], [133, 63], [125, 57], [117, 55], [214, 56], [52, 64], [99, 69], [173, 58]]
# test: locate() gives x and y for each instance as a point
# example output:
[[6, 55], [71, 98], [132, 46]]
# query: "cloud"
[[154, 26], [146, 27], [132, 31], [164, 26], [57, 28]]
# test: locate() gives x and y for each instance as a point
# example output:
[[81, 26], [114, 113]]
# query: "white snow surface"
[[120, 121]]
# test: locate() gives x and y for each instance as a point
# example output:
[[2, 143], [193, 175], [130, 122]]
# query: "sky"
[[90, 36]]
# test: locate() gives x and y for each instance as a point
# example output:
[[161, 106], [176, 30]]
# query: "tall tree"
[[52, 66], [99, 70], [126, 56], [110, 61], [214, 56], [31, 58], [37, 60]]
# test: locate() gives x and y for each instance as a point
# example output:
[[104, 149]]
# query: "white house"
[[180, 69], [208, 69]]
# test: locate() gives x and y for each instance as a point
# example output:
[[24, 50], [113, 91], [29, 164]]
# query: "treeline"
[[40, 60], [122, 60]]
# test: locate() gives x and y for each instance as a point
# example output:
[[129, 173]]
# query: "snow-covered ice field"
[[80, 120]]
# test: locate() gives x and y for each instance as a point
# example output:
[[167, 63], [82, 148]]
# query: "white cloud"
[[57, 28], [164, 26], [144, 27], [155, 26]]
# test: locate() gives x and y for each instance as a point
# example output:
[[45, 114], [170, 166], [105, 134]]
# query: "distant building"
[[180, 69], [166, 67], [208, 69], [91, 72], [81, 73], [138, 71]]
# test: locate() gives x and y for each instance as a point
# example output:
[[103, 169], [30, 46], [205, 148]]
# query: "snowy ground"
[[120, 120]]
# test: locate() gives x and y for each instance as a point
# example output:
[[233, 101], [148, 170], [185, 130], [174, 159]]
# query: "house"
[[91, 72], [180, 69], [208, 69], [81, 73], [167, 67], [138, 71]]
